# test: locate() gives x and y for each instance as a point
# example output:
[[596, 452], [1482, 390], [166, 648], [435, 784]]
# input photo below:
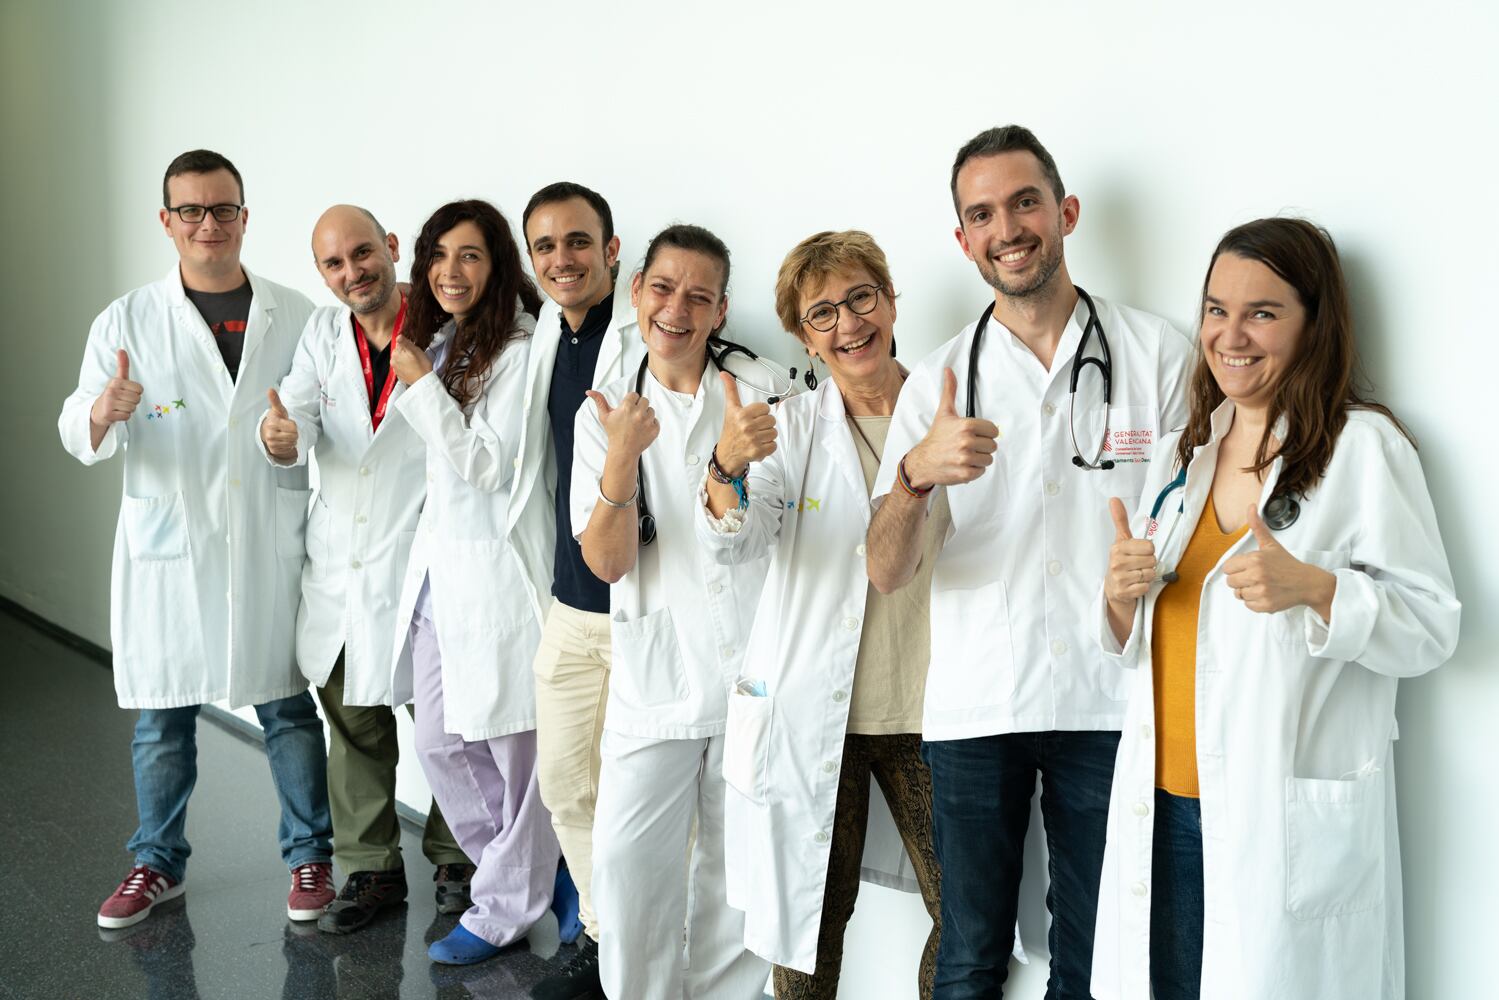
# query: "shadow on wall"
[[59, 272]]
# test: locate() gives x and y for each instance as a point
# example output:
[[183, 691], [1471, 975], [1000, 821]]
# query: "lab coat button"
[[1138, 889], [691, 459], [1145, 732], [233, 422], [839, 695], [860, 550], [517, 461], [829, 767], [356, 564], [364, 470], [850, 623], [821, 838], [361, 519], [1058, 647], [1054, 567], [234, 483], [726, 652], [1050, 409], [717, 588], [1141, 809], [1052, 489]]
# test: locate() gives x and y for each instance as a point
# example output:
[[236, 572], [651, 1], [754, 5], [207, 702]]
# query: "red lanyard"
[[369, 371]]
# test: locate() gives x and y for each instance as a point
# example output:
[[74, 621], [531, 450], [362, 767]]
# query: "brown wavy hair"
[[1321, 384], [490, 328]]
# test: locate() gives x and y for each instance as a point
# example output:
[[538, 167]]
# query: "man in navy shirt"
[[579, 345]]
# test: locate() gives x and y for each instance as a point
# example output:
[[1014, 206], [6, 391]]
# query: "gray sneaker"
[[452, 887]]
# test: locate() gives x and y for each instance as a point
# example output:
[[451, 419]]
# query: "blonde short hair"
[[811, 261]]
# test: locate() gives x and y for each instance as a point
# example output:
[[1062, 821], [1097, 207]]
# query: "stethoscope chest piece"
[[1281, 512]]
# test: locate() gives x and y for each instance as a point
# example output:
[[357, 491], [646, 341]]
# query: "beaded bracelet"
[[718, 475]]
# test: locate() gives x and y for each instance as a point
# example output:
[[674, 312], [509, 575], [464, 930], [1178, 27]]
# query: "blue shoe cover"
[[461, 947], [565, 906]]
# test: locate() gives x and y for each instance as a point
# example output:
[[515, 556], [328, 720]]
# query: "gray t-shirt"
[[226, 314]]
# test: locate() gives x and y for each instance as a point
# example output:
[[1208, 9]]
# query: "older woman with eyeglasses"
[[834, 673]]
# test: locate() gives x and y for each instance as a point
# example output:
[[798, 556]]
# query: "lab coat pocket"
[[155, 527], [1335, 833], [973, 663], [746, 746], [648, 670], [291, 522]]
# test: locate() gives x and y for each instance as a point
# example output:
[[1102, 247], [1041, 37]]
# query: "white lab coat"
[[209, 544], [809, 509], [371, 484], [533, 515], [679, 619], [1015, 583], [1295, 733], [487, 625]]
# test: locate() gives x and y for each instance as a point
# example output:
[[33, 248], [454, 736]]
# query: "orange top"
[[1173, 656]]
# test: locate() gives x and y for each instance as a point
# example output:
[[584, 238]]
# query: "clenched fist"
[[631, 426], [408, 361], [1271, 579], [956, 449], [1131, 561], [749, 432], [278, 431], [120, 396]]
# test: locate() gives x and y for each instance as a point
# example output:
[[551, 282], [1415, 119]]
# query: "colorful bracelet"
[[905, 482], [718, 475]]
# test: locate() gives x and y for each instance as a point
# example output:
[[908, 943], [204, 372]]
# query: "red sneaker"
[[131, 903], [311, 890]]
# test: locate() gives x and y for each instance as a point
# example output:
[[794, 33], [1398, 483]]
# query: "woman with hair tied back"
[[1281, 574], [470, 607]]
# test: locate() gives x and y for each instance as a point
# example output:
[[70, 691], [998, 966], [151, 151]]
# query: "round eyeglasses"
[[197, 213], [861, 300]]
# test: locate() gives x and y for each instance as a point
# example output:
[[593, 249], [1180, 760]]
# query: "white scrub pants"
[[649, 793]]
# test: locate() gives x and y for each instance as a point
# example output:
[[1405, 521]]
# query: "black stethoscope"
[[1281, 511], [716, 359], [1080, 362]]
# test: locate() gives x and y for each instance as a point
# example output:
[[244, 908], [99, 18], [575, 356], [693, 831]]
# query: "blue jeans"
[[981, 806], [1176, 899], [164, 753]]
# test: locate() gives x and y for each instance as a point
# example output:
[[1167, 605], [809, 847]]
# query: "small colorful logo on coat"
[[161, 410], [806, 504]]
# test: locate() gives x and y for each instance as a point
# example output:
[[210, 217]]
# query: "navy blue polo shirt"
[[573, 583]]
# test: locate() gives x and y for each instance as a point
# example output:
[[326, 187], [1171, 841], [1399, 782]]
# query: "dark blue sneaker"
[[565, 905]]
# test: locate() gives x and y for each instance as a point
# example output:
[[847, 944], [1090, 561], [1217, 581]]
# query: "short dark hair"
[[684, 236], [1006, 139], [565, 191], [199, 161]]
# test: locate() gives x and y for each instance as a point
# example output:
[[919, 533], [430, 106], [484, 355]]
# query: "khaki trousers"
[[362, 756], [572, 687]]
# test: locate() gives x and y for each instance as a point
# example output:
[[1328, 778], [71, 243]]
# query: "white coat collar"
[[260, 290], [1223, 418]]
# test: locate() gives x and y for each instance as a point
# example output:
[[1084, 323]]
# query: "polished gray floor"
[[67, 801]]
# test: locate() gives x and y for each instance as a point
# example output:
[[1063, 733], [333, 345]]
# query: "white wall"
[[1171, 121]]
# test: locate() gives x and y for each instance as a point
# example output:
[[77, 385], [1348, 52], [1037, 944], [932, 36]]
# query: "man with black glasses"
[[209, 545]]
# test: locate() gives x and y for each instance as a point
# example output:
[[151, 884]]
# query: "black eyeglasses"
[[861, 300], [197, 213]]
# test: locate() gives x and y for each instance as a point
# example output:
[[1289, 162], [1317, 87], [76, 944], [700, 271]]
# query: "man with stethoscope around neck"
[[1069, 395]]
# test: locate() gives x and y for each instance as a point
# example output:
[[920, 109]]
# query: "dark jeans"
[[1176, 903], [981, 802]]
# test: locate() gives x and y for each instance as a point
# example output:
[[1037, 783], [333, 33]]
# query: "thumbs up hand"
[[956, 449], [749, 432], [278, 431], [631, 426], [120, 396], [1270, 579], [409, 362], [1131, 561]]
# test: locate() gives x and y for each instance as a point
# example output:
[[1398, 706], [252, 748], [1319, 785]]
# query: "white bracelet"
[[618, 506]]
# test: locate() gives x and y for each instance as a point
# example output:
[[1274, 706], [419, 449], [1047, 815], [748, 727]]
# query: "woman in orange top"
[[1283, 571]]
